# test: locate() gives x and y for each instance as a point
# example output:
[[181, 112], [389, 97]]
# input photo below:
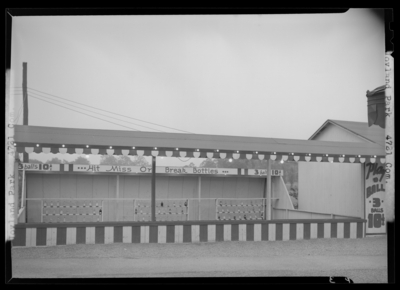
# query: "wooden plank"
[[51, 186], [130, 186], [292, 231], [67, 186], [340, 230], [307, 231], [144, 234], [320, 230], [327, 230], [175, 187], [108, 235], [170, 234], [126, 234], [51, 237], [84, 186], [235, 232], [279, 232], [144, 187], [353, 230], [136, 234], [242, 186], [190, 187], [30, 237], [99, 235], [20, 237], [272, 232], [34, 185], [227, 232], [219, 235], [90, 235], [61, 238], [81, 235], [100, 187], [249, 232], [203, 233], [162, 234], [187, 234], [153, 235], [229, 187], [313, 231], [211, 231], [285, 232], [257, 232], [333, 230], [118, 236], [195, 233], [71, 236], [162, 187], [128, 210], [34, 211], [178, 234], [264, 232]]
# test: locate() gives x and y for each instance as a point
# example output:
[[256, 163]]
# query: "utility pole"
[[153, 189], [25, 102]]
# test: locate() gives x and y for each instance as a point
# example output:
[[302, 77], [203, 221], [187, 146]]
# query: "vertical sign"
[[389, 136], [10, 159], [375, 198]]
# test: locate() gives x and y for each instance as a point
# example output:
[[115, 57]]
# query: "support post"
[[153, 189], [25, 155], [269, 188], [199, 196], [118, 206]]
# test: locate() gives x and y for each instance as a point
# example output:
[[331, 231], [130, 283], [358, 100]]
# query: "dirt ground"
[[361, 260]]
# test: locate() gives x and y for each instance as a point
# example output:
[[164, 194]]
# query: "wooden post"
[[269, 188], [25, 155], [153, 189], [199, 196], [265, 196], [118, 207]]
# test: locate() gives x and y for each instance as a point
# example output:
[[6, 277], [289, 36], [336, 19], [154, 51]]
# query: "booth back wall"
[[118, 205]]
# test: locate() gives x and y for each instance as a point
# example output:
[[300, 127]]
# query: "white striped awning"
[[108, 142]]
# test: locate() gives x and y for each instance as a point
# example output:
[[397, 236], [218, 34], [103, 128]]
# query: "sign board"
[[159, 169], [39, 167], [274, 172], [375, 198], [147, 169]]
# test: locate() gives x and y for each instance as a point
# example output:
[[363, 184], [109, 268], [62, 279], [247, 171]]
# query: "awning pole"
[[153, 189], [269, 187]]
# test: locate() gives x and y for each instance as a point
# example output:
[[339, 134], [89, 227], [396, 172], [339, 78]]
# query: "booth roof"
[[361, 129], [54, 137]]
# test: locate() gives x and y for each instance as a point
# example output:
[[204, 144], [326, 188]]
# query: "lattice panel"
[[234, 209], [166, 210], [58, 211]]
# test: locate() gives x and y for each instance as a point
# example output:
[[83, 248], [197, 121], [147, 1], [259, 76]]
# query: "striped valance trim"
[[278, 156], [175, 233]]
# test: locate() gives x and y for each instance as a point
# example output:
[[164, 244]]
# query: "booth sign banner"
[[39, 167], [375, 198], [147, 170]]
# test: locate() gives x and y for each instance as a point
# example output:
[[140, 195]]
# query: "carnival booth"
[[71, 204]]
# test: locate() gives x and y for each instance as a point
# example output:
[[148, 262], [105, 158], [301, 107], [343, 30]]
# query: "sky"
[[278, 76]]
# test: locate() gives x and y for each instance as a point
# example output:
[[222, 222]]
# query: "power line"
[[110, 112], [85, 114], [37, 95]]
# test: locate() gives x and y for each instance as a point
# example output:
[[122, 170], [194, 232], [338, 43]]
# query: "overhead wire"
[[37, 95], [86, 114], [110, 112]]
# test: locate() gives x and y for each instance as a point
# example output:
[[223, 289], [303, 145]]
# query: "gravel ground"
[[319, 257], [318, 247]]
